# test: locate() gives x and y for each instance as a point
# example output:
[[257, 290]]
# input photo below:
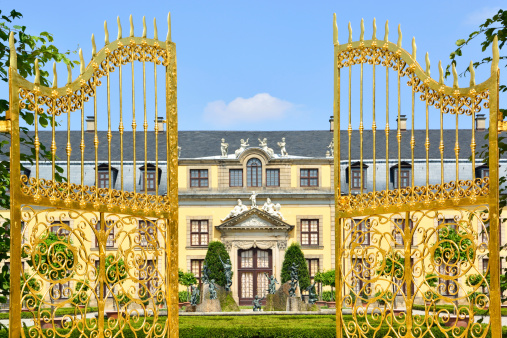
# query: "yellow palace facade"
[[258, 192]]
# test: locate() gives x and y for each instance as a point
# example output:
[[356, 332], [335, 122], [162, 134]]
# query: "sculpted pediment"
[[255, 219]]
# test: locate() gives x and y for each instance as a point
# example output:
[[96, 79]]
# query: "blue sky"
[[261, 65]]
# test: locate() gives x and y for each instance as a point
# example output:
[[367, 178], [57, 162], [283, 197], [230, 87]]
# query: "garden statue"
[[224, 147], [212, 290], [312, 296], [205, 273], [294, 279], [272, 284], [228, 273], [283, 151], [257, 303], [242, 147], [194, 298]]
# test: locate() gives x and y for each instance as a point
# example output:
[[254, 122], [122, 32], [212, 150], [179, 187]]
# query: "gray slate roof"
[[310, 143]]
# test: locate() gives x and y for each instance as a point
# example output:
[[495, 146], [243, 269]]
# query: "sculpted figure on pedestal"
[[242, 147], [253, 198], [283, 151], [194, 298], [264, 145], [224, 147], [238, 209]]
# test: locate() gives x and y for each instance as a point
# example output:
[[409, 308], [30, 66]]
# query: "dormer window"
[[103, 176], [404, 175], [482, 171], [355, 176], [149, 177]]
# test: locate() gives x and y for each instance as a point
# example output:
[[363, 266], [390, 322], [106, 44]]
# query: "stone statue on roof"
[[243, 145], [331, 148], [179, 151], [224, 147], [268, 207], [283, 151], [253, 198], [238, 209], [264, 145]]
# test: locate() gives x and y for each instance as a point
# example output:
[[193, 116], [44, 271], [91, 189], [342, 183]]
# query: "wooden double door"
[[253, 265]]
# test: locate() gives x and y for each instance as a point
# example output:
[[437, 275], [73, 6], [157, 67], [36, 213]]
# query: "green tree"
[[28, 48], [295, 255], [486, 32], [116, 272], [216, 269], [186, 279]]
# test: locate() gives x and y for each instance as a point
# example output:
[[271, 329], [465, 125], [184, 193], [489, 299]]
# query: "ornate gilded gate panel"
[[417, 235], [103, 237]]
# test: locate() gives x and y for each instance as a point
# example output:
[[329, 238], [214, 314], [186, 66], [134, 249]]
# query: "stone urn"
[[331, 305]]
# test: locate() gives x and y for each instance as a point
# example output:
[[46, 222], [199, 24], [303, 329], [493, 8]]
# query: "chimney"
[[480, 122], [402, 123], [90, 123], [331, 123], [160, 124]]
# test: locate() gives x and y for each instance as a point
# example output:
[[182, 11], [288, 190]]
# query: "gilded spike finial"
[[414, 48], [440, 72], [496, 55], [335, 30], [427, 64], [155, 31], [69, 74], [350, 33], [399, 36], [119, 27], [131, 26], [455, 76], [168, 38], [374, 35], [386, 35], [94, 47], [106, 37], [361, 35], [37, 72], [472, 74], [13, 57], [55, 77], [144, 27], [82, 61]]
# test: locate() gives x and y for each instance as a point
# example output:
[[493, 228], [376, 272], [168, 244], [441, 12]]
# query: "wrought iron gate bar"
[[134, 261], [414, 242]]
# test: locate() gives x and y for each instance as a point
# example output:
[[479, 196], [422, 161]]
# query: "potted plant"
[[364, 298], [351, 299], [186, 279], [319, 278], [328, 279], [183, 297], [80, 296], [116, 272], [384, 298]]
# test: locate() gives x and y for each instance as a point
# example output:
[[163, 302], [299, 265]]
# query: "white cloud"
[[261, 107], [479, 16]]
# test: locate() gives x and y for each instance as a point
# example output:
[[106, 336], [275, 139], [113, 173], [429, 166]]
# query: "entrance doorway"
[[253, 264]]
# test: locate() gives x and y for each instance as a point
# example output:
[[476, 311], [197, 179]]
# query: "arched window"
[[254, 173]]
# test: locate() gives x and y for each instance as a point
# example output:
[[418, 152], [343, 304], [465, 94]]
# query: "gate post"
[[494, 212]]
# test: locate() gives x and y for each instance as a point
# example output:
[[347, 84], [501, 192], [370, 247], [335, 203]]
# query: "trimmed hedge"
[[215, 267]]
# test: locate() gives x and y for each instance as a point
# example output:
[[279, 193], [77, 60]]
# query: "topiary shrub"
[[216, 269], [295, 255]]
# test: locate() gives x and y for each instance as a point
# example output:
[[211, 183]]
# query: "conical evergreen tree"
[[215, 267], [295, 255]]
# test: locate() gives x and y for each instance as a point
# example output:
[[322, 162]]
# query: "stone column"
[[282, 246]]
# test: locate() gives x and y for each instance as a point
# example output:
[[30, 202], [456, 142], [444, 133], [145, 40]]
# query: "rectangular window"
[[235, 177], [103, 179], [356, 178], [148, 274], [399, 231], [273, 177], [362, 231], [199, 178], [150, 176], [309, 232], [110, 234], [309, 177], [147, 233], [61, 228], [404, 178], [313, 267], [196, 268], [199, 232], [485, 173]]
